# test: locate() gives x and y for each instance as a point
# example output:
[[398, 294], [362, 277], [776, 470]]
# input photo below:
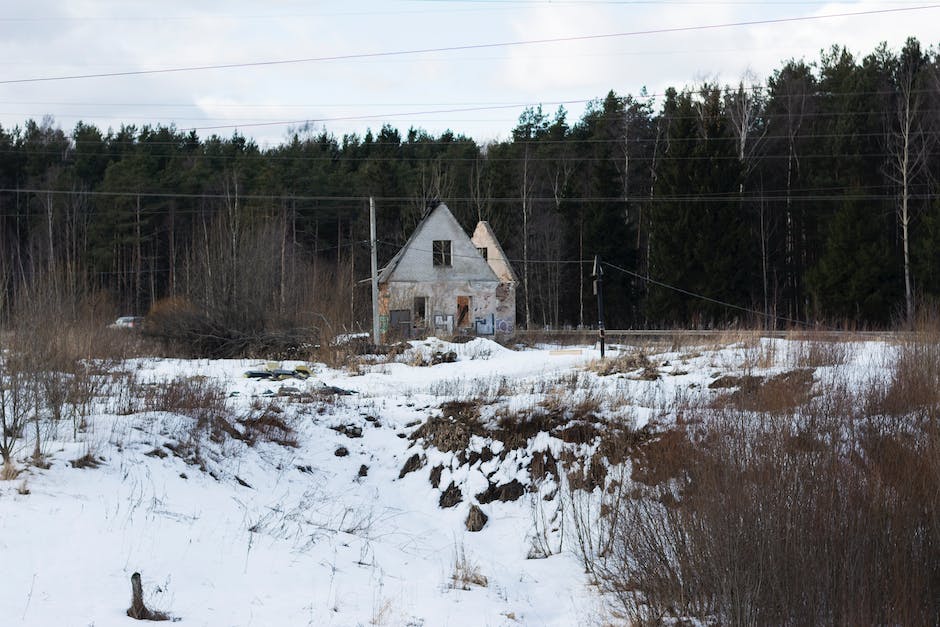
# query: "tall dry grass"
[[781, 507]]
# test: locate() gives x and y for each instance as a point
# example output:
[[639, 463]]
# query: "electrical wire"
[[631, 273], [730, 197], [709, 299], [385, 117], [479, 46]]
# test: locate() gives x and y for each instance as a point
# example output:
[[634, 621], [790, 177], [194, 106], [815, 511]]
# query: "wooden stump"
[[137, 609]]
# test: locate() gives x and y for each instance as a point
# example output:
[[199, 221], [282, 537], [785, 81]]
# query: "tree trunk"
[[525, 237], [137, 609]]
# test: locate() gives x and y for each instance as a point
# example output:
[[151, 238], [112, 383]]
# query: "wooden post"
[[375, 274], [137, 609], [599, 290]]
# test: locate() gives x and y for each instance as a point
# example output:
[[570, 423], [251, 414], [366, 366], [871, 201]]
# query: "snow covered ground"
[[262, 533]]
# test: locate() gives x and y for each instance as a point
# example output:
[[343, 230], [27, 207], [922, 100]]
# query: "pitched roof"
[[500, 264], [439, 212]]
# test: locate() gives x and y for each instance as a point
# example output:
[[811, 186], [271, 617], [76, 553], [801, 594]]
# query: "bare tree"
[[791, 90], [909, 147], [14, 411], [743, 106]]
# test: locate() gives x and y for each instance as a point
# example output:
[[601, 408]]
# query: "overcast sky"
[[475, 91]]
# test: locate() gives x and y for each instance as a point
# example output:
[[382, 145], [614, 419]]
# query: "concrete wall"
[[413, 274], [442, 311], [416, 263]]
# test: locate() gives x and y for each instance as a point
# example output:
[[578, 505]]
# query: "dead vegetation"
[[784, 500], [775, 394], [620, 364], [205, 402], [466, 573]]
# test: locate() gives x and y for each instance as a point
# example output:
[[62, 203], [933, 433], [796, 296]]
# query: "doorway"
[[463, 311]]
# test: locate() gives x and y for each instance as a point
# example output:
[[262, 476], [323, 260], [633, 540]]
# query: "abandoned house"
[[442, 281]]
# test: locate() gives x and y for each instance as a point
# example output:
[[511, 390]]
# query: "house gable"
[[484, 237], [415, 262]]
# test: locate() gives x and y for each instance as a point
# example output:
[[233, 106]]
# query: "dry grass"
[[622, 363], [88, 460], [913, 382], [451, 431], [9, 472], [818, 353], [826, 517], [777, 394], [200, 398], [268, 423], [466, 573]]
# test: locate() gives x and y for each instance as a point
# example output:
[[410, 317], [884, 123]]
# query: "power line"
[[506, 44], [628, 272], [729, 197], [709, 299], [385, 117], [191, 105]]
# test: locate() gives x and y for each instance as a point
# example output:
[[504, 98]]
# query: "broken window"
[[483, 252], [442, 252]]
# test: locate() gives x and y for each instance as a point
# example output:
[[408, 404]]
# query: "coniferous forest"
[[811, 199]]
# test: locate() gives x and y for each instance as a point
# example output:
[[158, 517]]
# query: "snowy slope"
[[268, 534], [306, 541]]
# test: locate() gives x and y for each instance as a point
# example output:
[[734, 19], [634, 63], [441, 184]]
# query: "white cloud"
[[92, 36]]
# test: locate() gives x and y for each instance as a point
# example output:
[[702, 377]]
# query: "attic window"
[[442, 252], [483, 252]]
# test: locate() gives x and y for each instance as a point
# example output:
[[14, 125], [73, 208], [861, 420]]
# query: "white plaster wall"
[[483, 237], [417, 261], [442, 297]]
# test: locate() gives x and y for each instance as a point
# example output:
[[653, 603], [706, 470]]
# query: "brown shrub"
[[452, 430], [226, 332], [913, 383], [268, 424], [662, 457], [776, 394], [622, 363], [88, 460], [808, 523]]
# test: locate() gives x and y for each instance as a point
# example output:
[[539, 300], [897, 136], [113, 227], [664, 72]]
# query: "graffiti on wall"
[[504, 325], [485, 325]]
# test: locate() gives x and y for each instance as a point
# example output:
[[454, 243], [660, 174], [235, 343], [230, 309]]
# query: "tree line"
[[812, 198]]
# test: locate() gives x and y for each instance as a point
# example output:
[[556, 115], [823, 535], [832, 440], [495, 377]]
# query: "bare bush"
[[466, 572], [622, 363], [779, 522], [226, 332], [248, 290], [777, 394], [913, 382], [200, 398], [810, 352], [16, 402]]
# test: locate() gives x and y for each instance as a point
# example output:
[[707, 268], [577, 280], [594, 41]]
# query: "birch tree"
[[908, 144]]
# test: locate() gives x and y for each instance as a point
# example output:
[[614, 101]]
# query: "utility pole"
[[598, 275], [375, 274]]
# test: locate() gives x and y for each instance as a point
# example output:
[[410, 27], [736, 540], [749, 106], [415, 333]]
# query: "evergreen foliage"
[[785, 200]]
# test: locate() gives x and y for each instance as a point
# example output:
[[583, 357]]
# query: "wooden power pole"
[[375, 274], [598, 275]]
